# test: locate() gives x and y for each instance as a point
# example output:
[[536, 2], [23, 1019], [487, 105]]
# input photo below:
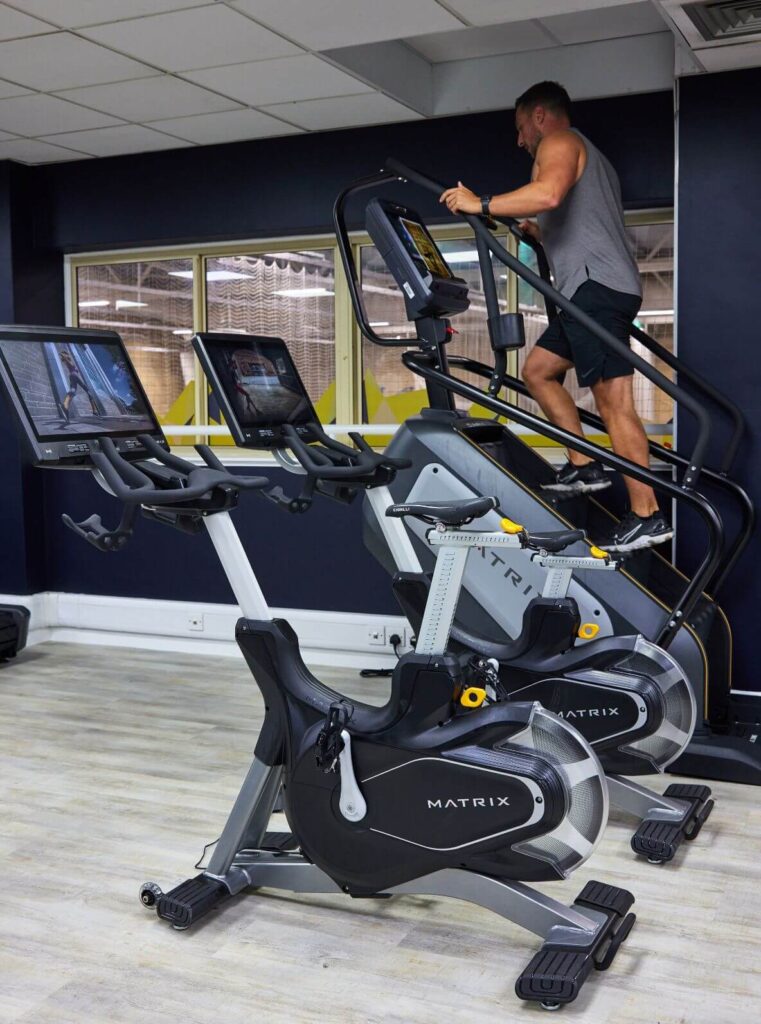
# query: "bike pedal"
[[191, 900]]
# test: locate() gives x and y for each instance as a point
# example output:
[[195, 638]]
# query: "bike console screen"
[[257, 386], [70, 387]]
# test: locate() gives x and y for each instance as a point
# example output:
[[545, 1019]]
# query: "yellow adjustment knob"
[[473, 697], [588, 631], [508, 526], [598, 552]]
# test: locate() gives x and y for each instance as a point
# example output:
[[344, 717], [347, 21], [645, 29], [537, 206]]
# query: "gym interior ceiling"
[[84, 79]]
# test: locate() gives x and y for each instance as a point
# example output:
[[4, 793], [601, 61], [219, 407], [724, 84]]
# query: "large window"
[[295, 289]]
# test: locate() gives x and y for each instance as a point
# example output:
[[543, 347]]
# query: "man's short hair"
[[550, 95]]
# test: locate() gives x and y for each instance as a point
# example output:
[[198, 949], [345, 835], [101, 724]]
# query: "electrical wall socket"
[[376, 636], [195, 621]]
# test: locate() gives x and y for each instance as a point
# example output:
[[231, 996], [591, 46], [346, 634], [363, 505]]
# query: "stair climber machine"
[[422, 795], [454, 456], [643, 709]]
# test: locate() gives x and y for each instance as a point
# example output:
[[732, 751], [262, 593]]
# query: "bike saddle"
[[451, 513], [556, 541]]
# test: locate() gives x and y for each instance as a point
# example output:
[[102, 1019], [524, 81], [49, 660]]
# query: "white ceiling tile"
[[127, 138], [148, 99], [75, 13], [202, 37], [14, 24], [588, 26], [481, 42], [38, 114], [9, 89], [494, 12], [233, 126], [7, 135], [63, 61], [333, 23], [32, 151], [280, 80], [344, 112]]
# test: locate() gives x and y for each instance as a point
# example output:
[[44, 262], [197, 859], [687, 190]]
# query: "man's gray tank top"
[[585, 237]]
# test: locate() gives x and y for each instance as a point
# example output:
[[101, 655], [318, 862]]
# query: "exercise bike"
[[628, 697], [422, 795]]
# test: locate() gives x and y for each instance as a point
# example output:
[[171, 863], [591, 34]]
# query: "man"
[[576, 197]]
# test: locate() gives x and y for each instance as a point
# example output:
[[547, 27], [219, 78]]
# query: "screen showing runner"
[[420, 241], [74, 388]]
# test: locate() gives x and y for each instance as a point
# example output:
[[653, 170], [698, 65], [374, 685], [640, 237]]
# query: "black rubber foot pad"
[[606, 897], [557, 972], [280, 841], [677, 791], [659, 840], [190, 900], [554, 976]]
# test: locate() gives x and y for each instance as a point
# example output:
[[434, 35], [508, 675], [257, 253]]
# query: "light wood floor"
[[117, 766]]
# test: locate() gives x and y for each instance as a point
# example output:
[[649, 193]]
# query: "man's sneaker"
[[636, 532], [578, 479]]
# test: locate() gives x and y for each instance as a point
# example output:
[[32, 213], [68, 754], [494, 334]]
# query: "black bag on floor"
[[14, 625]]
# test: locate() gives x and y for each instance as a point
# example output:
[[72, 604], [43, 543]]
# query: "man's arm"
[[558, 168]]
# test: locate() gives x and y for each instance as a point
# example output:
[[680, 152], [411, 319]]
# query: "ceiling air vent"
[[726, 19]]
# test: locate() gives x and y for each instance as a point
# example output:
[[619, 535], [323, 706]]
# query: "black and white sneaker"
[[635, 532], [578, 479]]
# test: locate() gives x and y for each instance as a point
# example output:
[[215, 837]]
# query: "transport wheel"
[[149, 894]]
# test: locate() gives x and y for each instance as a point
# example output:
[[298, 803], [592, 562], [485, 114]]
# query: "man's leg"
[[615, 403], [540, 374]]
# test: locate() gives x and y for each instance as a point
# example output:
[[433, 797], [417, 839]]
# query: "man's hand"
[[461, 200], [530, 227]]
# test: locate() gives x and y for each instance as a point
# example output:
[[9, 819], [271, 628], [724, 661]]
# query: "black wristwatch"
[[485, 200]]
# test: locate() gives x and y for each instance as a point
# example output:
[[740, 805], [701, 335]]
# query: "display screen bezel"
[[264, 435], [72, 336]]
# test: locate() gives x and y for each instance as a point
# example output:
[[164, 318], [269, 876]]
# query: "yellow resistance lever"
[[508, 526], [472, 697], [588, 631]]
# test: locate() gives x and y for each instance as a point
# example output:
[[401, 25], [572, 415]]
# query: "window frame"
[[348, 339]]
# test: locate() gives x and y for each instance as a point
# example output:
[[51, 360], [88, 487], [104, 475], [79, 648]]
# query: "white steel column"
[[237, 567]]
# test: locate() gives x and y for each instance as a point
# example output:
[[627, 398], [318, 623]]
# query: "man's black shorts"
[[592, 359]]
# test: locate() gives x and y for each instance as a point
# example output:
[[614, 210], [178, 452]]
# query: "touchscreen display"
[[261, 384], [419, 243], [76, 388]]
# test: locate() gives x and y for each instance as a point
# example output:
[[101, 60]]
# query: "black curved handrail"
[[422, 364]]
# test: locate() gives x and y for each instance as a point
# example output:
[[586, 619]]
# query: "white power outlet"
[[376, 636], [409, 636], [195, 621]]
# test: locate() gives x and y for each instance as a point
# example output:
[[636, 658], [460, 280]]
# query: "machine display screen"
[[76, 387], [256, 383], [421, 246]]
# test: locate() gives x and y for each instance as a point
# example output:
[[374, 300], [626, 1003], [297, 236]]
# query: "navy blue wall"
[[265, 188], [719, 302]]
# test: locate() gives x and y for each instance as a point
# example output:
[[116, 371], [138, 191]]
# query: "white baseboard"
[[340, 639]]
